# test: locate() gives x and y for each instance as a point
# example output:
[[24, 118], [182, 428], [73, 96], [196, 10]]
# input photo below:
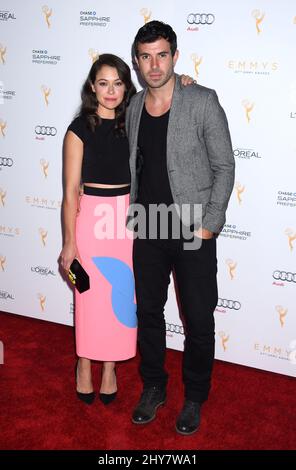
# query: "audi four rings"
[[232, 304], [284, 276], [175, 328], [6, 161], [200, 18], [45, 130]]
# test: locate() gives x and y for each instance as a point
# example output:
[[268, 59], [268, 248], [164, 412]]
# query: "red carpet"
[[247, 408]]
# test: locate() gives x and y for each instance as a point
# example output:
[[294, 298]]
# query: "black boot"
[[189, 418], [150, 400]]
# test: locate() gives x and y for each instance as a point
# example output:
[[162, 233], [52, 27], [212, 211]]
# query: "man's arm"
[[220, 155]]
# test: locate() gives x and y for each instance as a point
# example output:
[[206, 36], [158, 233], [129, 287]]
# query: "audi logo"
[[200, 18], [175, 328], [6, 161], [232, 304], [284, 276], [45, 130]]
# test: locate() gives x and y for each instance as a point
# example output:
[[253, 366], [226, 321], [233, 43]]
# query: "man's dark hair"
[[153, 31]]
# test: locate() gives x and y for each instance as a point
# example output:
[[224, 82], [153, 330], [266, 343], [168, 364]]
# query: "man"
[[180, 154]]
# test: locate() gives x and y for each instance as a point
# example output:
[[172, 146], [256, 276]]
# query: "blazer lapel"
[[176, 107], [136, 121]]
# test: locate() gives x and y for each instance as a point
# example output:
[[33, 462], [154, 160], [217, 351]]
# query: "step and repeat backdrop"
[[246, 52]]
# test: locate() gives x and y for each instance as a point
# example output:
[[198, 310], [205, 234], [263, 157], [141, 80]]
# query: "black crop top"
[[105, 156]]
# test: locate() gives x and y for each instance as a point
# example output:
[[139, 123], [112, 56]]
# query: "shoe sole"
[[152, 418], [186, 433]]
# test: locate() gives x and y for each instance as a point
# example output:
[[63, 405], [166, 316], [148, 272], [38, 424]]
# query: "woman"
[[96, 155]]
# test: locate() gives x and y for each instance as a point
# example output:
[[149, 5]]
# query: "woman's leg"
[[83, 376], [108, 384]]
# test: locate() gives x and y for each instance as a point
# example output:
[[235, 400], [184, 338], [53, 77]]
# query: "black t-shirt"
[[154, 185], [105, 155]]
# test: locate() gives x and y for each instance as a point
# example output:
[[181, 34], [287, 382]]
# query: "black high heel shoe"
[[107, 398], [87, 398]]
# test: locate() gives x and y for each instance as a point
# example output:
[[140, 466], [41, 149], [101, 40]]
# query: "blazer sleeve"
[[220, 155]]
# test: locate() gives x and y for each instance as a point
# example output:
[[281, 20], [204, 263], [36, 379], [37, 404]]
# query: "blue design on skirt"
[[121, 278]]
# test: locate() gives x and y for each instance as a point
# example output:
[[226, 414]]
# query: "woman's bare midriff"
[[106, 186]]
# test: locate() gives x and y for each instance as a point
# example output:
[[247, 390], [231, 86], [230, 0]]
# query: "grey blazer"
[[200, 159]]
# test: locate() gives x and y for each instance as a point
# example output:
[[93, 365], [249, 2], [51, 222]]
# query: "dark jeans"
[[195, 273]]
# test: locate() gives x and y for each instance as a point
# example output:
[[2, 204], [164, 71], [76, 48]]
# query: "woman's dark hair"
[[152, 31], [89, 105]]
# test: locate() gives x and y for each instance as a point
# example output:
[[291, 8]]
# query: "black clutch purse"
[[78, 276]]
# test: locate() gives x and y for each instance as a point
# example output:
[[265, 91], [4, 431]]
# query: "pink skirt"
[[105, 315]]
